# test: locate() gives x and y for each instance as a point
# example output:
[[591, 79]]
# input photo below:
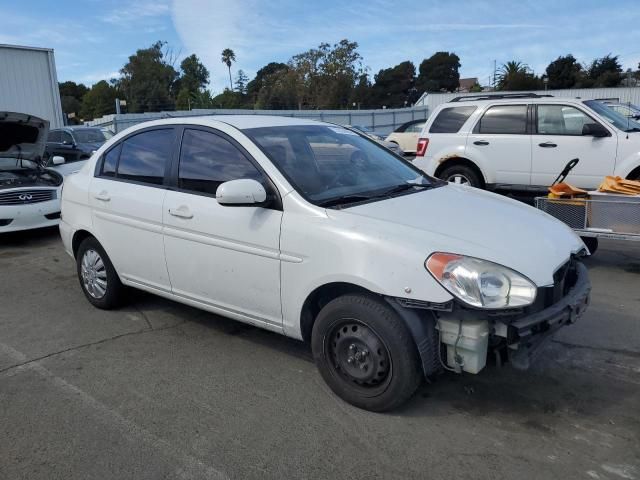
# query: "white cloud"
[[125, 14]]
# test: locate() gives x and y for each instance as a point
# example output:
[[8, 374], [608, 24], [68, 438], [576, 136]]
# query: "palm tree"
[[509, 71], [228, 57]]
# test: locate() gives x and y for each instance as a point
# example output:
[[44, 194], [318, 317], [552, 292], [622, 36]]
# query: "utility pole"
[[495, 70], [117, 106]]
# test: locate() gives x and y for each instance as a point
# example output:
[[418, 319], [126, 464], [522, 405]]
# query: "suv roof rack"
[[497, 96]]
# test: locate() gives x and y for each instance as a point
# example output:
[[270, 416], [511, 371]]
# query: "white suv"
[[319, 233], [523, 141]]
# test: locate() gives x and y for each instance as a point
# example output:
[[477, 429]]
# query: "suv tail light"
[[421, 149]]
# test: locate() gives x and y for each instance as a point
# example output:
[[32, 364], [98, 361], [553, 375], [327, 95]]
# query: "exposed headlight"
[[481, 283]]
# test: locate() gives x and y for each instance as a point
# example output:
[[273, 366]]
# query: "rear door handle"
[[547, 145], [182, 211], [103, 196], [481, 142]]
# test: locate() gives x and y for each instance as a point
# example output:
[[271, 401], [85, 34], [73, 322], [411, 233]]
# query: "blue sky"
[[93, 38]]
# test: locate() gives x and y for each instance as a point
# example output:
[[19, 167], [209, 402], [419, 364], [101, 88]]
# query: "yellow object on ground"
[[619, 185], [564, 190]]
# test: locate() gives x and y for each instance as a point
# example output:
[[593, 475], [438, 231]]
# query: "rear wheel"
[[365, 353], [98, 279], [461, 175]]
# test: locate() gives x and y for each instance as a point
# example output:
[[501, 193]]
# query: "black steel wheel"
[[365, 352]]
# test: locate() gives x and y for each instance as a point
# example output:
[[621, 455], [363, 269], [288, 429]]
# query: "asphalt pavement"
[[159, 390]]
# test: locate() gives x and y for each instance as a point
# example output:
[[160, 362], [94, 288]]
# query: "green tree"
[[192, 81], [147, 80], [228, 57], [99, 101], [564, 72], [264, 79], [515, 75], [395, 87], [241, 82], [605, 71], [228, 99], [71, 94], [439, 72]]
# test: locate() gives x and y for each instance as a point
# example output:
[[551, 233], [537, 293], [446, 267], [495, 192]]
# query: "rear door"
[[558, 139], [225, 257], [126, 197], [501, 143]]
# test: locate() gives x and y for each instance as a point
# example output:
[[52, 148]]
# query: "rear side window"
[[207, 160], [504, 119], [54, 137], [450, 120], [143, 157]]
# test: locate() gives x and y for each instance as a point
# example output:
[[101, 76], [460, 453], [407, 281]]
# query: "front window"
[[561, 120], [621, 122], [89, 135], [333, 166]]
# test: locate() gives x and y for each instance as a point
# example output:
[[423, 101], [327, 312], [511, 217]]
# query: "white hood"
[[22, 136], [472, 222]]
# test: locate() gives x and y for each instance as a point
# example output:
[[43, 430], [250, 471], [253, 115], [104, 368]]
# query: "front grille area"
[[23, 197]]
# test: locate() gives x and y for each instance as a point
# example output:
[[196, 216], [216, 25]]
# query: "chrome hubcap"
[[94, 274], [458, 179]]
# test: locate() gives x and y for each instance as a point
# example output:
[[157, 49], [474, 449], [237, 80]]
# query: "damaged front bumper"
[[526, 335]]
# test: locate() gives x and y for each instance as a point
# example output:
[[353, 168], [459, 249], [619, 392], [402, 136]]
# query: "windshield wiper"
[[634, 129], [403, 188], [332, 202]]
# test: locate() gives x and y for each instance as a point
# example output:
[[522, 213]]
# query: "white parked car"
[[517, 141], [29, 192], [374, 263], [407, 135]]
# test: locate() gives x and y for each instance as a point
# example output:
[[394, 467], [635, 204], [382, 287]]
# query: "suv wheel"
[[461, 175], [365, 353], [98, 279]]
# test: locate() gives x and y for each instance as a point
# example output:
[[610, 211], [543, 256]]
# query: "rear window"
[[504, 119], [450, 120], [143, 156]]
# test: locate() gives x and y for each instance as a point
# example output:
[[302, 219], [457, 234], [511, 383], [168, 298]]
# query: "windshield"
[[332, 166], [7, 164], [616, 119], [89, 135]]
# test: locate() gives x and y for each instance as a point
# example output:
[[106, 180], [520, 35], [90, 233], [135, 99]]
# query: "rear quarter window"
[[451, 120]]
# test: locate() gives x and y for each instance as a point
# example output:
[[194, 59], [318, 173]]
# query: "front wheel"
[[365, 353]]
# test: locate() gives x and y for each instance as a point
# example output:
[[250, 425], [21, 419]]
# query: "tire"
[[98, 279], [461, 174], [365, 353], [591, 243]]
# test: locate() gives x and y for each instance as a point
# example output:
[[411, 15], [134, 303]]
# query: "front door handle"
[[547, 145], [103, 196], [182, 211], [481, 142]]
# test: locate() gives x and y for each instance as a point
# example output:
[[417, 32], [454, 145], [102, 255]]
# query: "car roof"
[[241, 122]]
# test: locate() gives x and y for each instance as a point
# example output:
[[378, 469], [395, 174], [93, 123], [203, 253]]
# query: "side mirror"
[[243, 192], [594, 130], [57, 160]]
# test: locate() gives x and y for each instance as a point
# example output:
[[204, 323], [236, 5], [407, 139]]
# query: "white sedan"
[[29, 193], [313, 231]]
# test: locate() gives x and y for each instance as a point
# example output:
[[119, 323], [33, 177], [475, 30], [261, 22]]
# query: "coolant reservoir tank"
[[471, 346]]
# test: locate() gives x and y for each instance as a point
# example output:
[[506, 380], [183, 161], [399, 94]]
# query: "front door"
[[223, 257], [558, 139], [126, 197], [501, 143]]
